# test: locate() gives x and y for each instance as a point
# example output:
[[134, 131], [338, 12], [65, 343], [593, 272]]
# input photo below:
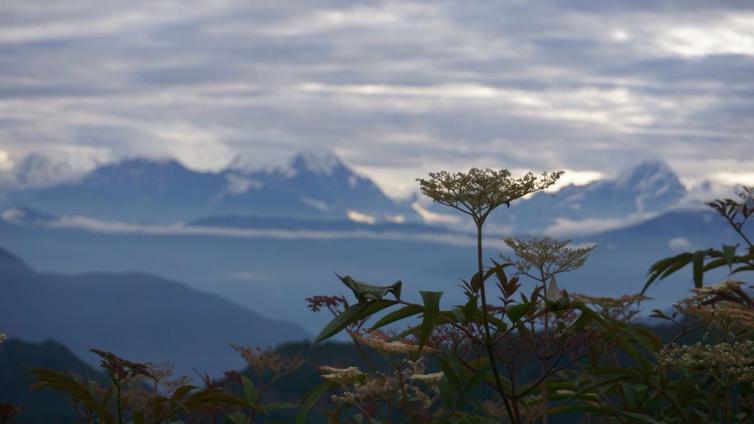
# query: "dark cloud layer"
[[397, 88]]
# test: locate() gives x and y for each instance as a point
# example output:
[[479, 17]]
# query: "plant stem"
[[118, 406], [545, 335], [485, 320]]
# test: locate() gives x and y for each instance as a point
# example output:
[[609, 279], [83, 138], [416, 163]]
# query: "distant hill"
[[137, 315], [38, 406], [310, 186]]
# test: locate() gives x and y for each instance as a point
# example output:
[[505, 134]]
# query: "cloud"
[[360, 217], [397, 88], [119, 227], [5, 161], [434, 217], [565, 227], [679, 243]]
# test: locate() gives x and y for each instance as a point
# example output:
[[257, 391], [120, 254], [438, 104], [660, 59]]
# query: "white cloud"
[[119, 227], [576, 178], [12, 215], [679, 244], [564, 227], [401, 88], [315, 203], [729, 35], [6, 162], [396, 219], [733, 178], [361, 218], [238, 184], [434, 217]]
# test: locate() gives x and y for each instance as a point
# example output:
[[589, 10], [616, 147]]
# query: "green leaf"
[[249, 389], [397, 315], [717, 263], [182, 391], [476, 282], [476, 377], [665, 267], [355, 313], [729, 252], [269, 407], [310, 399], [698, 260], [470, 309], [450, 375], [431, 312], [742, 269], [515, 312], [235, 418]]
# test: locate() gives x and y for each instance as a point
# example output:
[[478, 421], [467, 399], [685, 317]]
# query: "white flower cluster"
[[409, 381], [341, 375], [733, 359], [380, 342]]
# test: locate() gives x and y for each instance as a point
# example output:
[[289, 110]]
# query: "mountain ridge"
[[309, 185], [127, 312], [321, 186]]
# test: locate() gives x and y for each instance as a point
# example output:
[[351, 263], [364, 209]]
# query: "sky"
[[395, 88]]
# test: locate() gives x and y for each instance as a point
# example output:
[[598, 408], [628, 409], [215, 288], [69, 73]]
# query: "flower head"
[[479, 191]]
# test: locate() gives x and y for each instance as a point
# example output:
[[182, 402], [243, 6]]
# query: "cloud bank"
[[398, 88]]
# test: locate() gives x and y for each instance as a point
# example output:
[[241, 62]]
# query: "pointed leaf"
[[351, 315], [431, 312], [249, 389], [698, 261], [310, 399], [665, 267], [729, 252], [515, 312], [397, 315]]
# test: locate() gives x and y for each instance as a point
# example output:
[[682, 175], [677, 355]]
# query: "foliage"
[[708, 381], [518, 350], [145, 393], [546, 352]]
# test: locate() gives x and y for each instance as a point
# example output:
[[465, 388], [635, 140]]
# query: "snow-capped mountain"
[[309, 186], [42, 170], [319, 186], [648, 188], [134, 189]]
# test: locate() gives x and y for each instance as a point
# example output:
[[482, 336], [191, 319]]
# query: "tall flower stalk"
[[477, 193]]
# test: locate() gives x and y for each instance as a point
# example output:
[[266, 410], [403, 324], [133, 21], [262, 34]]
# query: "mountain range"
[[142, 316], [310, 186], [650, 187], [314, 189], [270, 261]]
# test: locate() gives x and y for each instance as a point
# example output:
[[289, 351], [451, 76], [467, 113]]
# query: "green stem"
[[485, 320], [118, 403], [545, 397]]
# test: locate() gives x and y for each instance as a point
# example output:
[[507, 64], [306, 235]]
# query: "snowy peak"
[[320, 163], [312, 163], [649, 187], [40, 170], [648, 173], [653, 184], [138, 168], [311, 185]]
